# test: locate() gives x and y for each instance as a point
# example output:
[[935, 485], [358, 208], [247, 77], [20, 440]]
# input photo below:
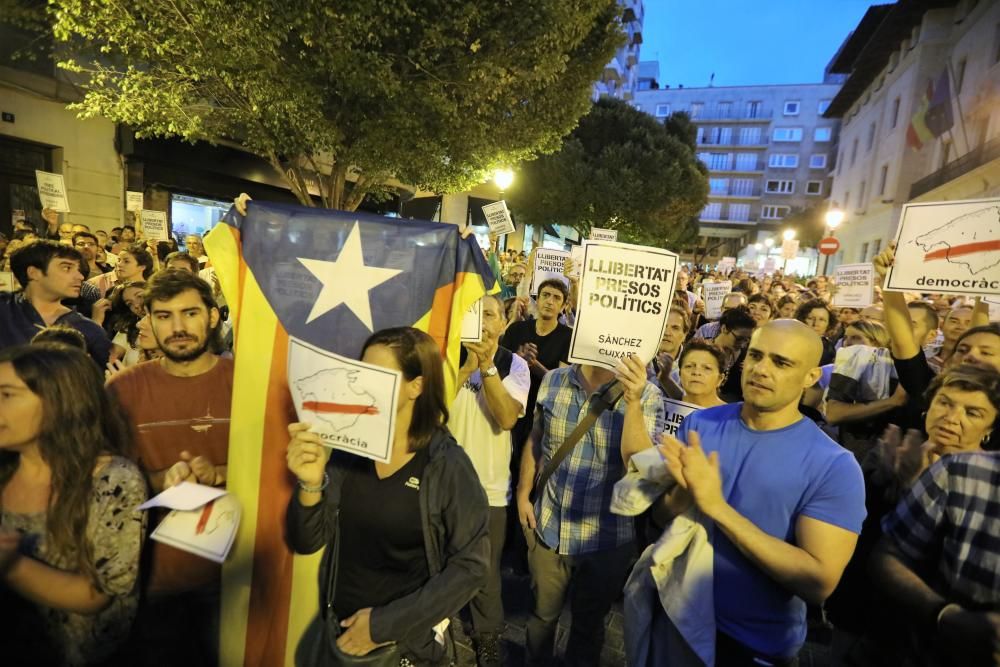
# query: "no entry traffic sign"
[[829, 245]]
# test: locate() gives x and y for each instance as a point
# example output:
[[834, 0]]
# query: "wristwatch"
[[491, 371]]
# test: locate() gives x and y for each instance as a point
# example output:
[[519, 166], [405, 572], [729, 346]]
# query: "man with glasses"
[[735, 329]]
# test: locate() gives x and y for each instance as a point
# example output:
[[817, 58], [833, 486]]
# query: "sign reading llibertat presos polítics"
[[855, 286], [549, 264], [714, 293], [625, 295], [948, 247]]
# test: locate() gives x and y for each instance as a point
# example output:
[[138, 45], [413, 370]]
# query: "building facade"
[[769, 151], [620, 78], [892, 56]]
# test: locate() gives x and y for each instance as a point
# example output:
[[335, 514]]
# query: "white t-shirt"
[[488, 445]]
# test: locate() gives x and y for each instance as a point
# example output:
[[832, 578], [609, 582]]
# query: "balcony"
[[633, 11], [724, 219], [743, 115], [735, 193], [975, 158], [761, 143], [632, 56], [614, 71]]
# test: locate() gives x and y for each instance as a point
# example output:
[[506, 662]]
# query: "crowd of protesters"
[[838, 463]]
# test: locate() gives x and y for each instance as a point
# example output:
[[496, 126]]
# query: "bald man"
[[787, 502]]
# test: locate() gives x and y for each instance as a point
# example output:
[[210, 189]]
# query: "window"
[[742, 187], [747, 162], [847, 198], [854, 151], [700, 135], [739, 212], [754, 108], [882, 178], [787, 134], [780, 187], [960, 75], [861, 196], [814, 187], [895, 112], [864, 252], [774, 212], [996, 44], [725, 109], [718, 186], [749, 136], [783, 160], [696, 108], [712, 212], [719, 161], [662, 110], [817, 161], [720, 135], [871, 138], [840, 161], [823, 106], [792, 108], [876, 246], [822, 134]]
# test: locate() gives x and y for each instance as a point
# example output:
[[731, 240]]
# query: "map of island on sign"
[[972, 240], [350, 405], [950, 247]]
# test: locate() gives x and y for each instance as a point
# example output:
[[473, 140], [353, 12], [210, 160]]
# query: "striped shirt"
[[953, 510], [575, 509]]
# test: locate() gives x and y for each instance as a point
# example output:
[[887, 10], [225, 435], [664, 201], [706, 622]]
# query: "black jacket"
[[453, 510]]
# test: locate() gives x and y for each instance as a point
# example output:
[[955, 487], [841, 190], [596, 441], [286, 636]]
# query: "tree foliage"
[[809, 225], [342, 98], [619, 169]]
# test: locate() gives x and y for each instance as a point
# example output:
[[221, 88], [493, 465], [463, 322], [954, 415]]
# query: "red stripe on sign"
[[959, 250], [339, 408]]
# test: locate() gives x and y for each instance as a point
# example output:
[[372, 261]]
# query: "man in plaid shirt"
[[940, 560], [571, 533]]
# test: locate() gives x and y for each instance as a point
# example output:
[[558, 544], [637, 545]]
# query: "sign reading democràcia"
[[625, 295], [133, 200], [855, 286], [949, 247], [548, 264], [351, 405], [676, 411], [52, 191], [498, 218], [472, 323], [714, 293], [154, 225], [598, 234]]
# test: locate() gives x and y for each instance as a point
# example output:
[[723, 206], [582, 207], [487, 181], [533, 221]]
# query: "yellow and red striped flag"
[[330, 278]]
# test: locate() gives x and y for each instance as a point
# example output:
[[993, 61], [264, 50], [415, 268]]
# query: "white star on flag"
[[347, 281]]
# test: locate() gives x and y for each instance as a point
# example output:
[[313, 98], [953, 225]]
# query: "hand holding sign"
[[631, 372], [306, 455]]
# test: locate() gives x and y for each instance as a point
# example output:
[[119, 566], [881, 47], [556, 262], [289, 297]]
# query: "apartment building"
[[620, 78], [892, 56], [768, 148]]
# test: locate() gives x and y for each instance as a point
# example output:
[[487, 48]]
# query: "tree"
[[809, 225], [619, 169], [343, 99]]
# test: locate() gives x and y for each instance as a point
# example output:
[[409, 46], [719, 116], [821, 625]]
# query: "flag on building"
[[934, 116], [330, 278]]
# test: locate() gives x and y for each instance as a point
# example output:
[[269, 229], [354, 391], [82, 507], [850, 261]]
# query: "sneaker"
[[488, 650]]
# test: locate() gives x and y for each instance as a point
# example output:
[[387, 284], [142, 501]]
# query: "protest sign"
[[472, 323], [994, 306], [7, 282], [770, 265], [713, 293], [52, 191], [548, 264], [948, 247], [154, 225], [498, 218], [676, 411], [855, 286], [598, 234], [789, 248], [133, 201], [350, 404], [576, 254], [625, 296]]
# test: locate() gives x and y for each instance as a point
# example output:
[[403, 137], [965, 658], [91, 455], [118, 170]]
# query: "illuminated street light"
[[769, 242], [756, 246], [833, 218], [503, 178], [788, 234]]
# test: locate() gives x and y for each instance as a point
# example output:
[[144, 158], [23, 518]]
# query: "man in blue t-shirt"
[[786, 500]]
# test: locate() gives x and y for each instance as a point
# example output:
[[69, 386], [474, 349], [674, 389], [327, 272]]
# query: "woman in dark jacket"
[[413, 547]]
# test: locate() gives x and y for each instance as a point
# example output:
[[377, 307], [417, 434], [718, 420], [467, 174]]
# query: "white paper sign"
[[770, 265], [548, 264], [676, 411], [154, 225], [576, 254], [714, 293], [208, 532], [625, 296], [498, 218], [52, 191], [350, 404], [598, 234], [472, 323], [994, 306], [949, 247], [7, 282], [727, 264], [855, 286], [185, 496], [133, 200], [789, 248]]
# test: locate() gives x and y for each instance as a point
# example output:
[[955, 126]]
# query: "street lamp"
[[788, 234], [833, 218], [503, 178], [769, 241]]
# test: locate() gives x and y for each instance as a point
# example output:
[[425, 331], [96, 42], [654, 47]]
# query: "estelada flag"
[[330, 278]]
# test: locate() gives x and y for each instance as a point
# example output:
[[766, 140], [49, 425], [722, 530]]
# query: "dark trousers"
[[487, 607], [597, 579], [177, 630], [731, 653]]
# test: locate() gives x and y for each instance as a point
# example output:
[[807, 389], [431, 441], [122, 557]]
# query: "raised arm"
[[897, 315]]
